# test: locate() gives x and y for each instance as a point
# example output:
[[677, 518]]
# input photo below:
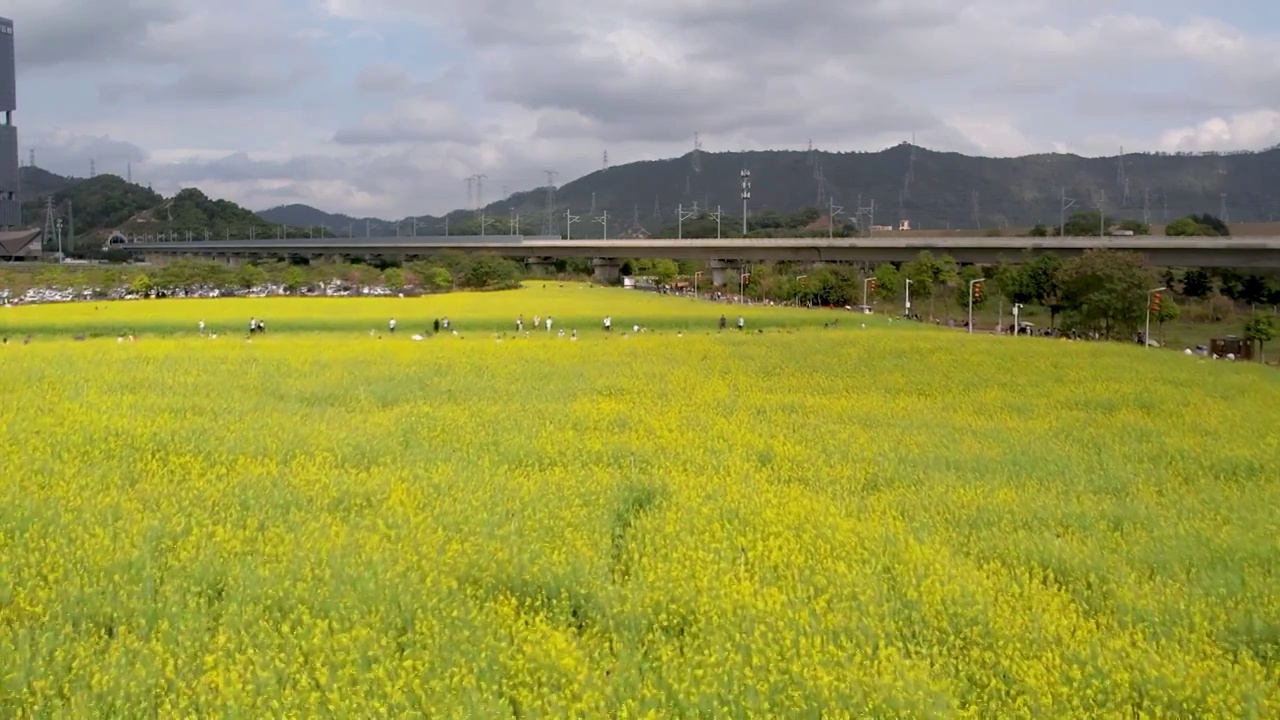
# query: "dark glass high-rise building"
[[10, 210]]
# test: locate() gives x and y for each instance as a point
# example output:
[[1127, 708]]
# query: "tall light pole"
[[799, 284], [746, 195], [908, 311], [1146, 334], [971, 284], [1016, 327]]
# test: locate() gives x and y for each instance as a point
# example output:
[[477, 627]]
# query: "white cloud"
[[384, 106]]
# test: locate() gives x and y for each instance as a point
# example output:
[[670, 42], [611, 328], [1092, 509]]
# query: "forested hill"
[[936, 188]]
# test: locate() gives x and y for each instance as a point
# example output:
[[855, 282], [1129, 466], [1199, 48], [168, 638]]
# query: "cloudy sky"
[[384, 107]]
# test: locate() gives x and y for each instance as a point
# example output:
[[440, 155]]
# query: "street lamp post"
[[799, 283], [746, 195], [908, 303], [1146, 333], [971, 284], [1016, 327]]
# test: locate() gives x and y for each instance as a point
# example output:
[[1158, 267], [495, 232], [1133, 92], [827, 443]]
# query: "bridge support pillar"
[[541, 266], [721, 271], [607, 270]]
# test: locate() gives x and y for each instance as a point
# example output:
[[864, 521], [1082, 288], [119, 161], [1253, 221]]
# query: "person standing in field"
[[520, 323], [201, 327], [548, 323], [724, 322], [435, 327], [253, 325], [391, 326], [608, 323], [742, 323], [537, 321]]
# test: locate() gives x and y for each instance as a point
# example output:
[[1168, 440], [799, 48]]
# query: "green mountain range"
[[932, 190]]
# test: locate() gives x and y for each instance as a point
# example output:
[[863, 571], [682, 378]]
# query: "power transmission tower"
[[129, 173], [605, 163], [471, 196], [32, 154], [50, 223], [93, 170], [480, 191], [810, 158], [697, 154], [549, 214], [592, 211], [822, 185], [1146, 206]]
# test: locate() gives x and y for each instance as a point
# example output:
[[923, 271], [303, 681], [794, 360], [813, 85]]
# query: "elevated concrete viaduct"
[[727, 255]]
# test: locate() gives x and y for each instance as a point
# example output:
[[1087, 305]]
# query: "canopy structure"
[[20, 244]]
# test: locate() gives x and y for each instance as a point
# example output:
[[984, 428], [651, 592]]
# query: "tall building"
[[10, 209]]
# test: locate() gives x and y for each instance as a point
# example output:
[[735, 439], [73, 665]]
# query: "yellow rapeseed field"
[[802, 522]]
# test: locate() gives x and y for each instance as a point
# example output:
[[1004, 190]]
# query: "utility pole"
[[511, 222], [683, 215], [1065, 203], [604, 221], [832, 212], [484, 222], [746, 195], [717, 215], [569, 220]]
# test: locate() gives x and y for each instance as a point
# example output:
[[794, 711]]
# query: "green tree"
[[665, 271], [436, 279], [294, 278], [393, 277], [888, 282], [1089, 223], [1169, 312], [250, 276], [969, 273], [1261, 329], [141, 285], [1105, 290], [1196, 283], [1135, 226]]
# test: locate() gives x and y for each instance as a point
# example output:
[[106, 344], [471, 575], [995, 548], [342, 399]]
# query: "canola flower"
[[861, 522]]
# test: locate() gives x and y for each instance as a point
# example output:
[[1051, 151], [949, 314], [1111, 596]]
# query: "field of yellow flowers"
[[801, 522]]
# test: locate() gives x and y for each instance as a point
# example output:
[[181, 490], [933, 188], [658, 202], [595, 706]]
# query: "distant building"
[[10, 209]]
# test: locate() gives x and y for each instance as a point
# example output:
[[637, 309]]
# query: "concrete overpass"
[[726, 255]]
